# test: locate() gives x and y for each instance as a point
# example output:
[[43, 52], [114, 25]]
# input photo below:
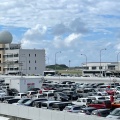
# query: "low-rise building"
[[101, 69]]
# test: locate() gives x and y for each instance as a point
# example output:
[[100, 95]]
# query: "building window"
[[0, 61], [15, 55], [0, 68], [35, 61], [29, 68], [35, 55], [93, 68], [0, 55], [29, 61], [100, 67], [29, 55], [35, 68]]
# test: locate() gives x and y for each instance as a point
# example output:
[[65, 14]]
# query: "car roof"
[[101, 110], [88, 108], [50, 101]]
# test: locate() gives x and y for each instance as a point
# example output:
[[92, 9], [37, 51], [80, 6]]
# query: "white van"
[[21, 95], [38, 96], [49, 96]]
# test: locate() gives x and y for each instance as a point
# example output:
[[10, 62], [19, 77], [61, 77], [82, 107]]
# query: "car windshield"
[[61, 94], [67, 108], [28, 102], [20, 101], [115, 112]]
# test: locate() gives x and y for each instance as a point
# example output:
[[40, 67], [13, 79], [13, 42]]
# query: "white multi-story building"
[[103, 68], [15, 60]]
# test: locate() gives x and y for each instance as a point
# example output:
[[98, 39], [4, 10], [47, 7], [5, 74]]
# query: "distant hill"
[[58, 67]]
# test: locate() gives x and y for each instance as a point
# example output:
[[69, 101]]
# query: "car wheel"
[[84, 106]]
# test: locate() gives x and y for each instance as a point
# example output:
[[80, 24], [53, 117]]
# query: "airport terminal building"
[[101, 69]]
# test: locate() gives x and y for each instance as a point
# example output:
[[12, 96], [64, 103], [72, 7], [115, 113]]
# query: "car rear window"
[[67, 108], [44, 105]]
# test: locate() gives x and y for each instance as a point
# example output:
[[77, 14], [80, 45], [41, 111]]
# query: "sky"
[[65, 28]]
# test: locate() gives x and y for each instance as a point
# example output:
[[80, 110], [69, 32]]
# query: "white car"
[[114, 115], [82, 101], [2, 93], [21, 95], [73, 108]]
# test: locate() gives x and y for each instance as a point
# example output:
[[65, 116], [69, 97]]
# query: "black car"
[[61, 105], [31, 102], [71, 94], [5, 98], [34, 89], [61, 96], [11, 101], [12, 91], [101, 112], [38, 103], [22, 101], [87, 110]]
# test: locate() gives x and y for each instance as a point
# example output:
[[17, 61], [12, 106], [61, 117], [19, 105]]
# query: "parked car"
[[82, 101], [12, 100], [49, 95], [115, 114], [101, 112], [21, 101], [2, 93], [5, 98], [61, 105], [21, 95], [38, 96], [34, 89], [12, 91], [101, 104], [31, 93], [48, 104], [73, 108], [71, 94], [38, 103], [87, 110], [61, 96], [111, 92], [31, 102]]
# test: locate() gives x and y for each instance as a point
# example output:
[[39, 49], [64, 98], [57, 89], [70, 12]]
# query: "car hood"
[[113, 117]]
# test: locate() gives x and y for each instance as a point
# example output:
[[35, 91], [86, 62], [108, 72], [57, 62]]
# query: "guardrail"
[[83, 79], [33, 113]]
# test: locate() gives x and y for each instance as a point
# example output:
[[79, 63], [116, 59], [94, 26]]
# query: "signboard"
[[30, 85]]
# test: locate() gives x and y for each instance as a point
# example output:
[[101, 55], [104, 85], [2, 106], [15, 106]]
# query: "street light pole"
[[69, 64], [117, 62], [48, 60], [86, 59], [100, 59], [55, 58]]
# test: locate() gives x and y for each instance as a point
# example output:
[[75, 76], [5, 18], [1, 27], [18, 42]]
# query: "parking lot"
[[93, 99]]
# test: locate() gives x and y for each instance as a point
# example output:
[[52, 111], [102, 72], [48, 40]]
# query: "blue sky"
[[73, 27]]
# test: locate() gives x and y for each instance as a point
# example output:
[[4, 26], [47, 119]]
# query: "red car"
[[111, 92], [100, 104]]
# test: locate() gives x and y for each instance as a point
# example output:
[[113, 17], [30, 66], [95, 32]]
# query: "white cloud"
[[69, 41], [63, 25]]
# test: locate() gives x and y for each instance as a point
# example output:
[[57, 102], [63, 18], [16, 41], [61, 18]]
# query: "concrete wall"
[[42, 114], [83, 79]]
